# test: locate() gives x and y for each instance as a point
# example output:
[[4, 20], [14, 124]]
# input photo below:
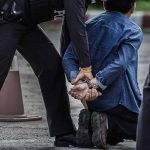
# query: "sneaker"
[[83, 135], [99, 125], [66, 140]]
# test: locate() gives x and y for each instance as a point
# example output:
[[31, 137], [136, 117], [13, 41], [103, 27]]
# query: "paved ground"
[[34, 135]]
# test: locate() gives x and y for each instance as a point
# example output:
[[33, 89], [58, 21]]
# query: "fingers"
[[82, 76], [79, 82], [92, 94], [72, 93], [79, 87], [79, 77], [87, 97], [88, 75], [97, 93], [79, 92], [82, 92]]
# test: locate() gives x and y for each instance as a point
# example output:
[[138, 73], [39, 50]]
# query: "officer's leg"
[[10, 34], [46, 63], [143, 138]]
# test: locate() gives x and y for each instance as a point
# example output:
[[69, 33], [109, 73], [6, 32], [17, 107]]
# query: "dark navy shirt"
[[114, 41], [74, 29]]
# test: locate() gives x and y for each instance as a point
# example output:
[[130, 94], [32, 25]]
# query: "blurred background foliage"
[[142, 5]]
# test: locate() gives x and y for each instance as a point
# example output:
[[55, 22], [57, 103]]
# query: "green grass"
[[143, 6], [146, 31]]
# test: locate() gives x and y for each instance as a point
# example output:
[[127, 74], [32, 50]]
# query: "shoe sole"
[[83, 138], [62, 144], [97, 136]]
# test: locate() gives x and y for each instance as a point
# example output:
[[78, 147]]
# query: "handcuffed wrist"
[[91, 85]]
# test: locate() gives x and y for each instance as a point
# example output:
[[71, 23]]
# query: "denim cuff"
[[101, 85], [73, 75]]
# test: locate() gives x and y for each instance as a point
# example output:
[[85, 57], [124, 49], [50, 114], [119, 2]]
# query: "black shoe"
[[83, 136], [113, 140], [99, 125], [66, 140]]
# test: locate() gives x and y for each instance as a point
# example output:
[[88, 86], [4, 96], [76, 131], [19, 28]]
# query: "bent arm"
[[75, 24], [125, 54], [71, 63]]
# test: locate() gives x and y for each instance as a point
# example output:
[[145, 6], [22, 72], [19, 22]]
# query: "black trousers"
[[122, 123], [143, 132], [38, 50]]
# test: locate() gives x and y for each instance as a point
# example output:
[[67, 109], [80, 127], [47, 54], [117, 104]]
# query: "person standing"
[[143, 139], [19, 30]]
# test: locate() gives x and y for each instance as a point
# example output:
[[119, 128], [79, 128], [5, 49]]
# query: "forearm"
[[70, 62], [71, 69], [75, 16], [126, 53]]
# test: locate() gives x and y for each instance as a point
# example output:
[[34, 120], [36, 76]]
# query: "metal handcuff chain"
[[91, 85]]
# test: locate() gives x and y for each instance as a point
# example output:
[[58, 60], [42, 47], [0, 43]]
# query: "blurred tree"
[[141, 5]]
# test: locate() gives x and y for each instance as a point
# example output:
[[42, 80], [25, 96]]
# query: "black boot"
[[65, 140], [83, 136], [114, 140], [99, 125]]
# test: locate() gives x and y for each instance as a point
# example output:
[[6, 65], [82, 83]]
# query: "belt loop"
[[59, 14]]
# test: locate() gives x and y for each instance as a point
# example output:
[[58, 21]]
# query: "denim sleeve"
[[75, 19], [125, 54], [71, 62]]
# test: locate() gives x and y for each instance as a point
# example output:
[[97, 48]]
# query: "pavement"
[[35, 135]]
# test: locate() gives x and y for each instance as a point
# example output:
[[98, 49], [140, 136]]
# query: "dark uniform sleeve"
[[65, 38], [74, 29]]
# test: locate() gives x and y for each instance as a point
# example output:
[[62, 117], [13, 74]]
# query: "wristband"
[[86, 70]]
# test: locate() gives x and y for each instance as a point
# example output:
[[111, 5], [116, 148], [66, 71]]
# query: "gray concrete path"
[[35, 135]]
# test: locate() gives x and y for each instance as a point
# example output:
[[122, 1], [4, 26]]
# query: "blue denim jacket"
[[114, 41]]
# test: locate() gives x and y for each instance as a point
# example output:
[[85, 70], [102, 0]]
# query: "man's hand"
[[82, 92], [92, 94], [82, 76], [79, 91]]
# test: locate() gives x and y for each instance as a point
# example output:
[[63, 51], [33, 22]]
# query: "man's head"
[[123, 6]]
